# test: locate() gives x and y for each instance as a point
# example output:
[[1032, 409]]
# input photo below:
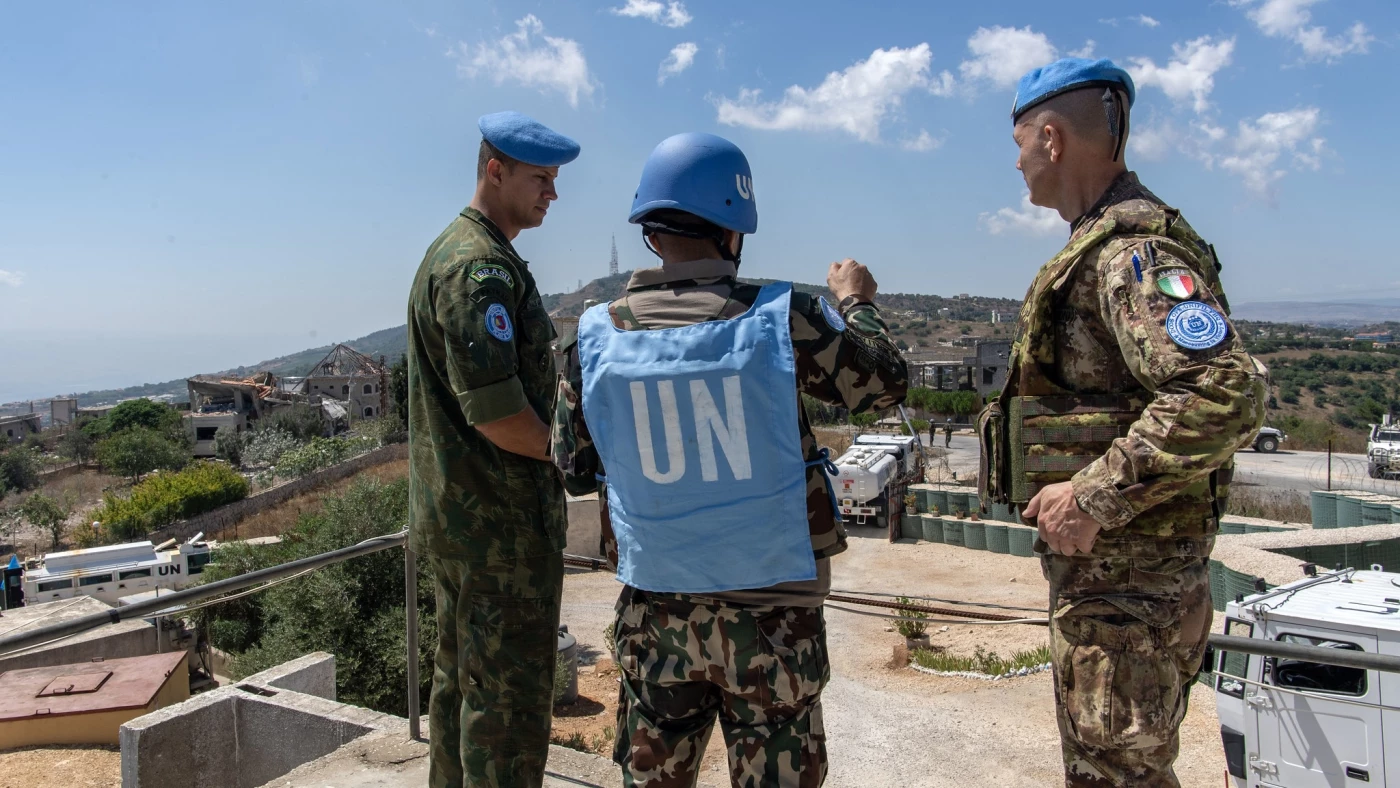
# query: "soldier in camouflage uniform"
[[1129, 393], [487, 507], [757, 658]]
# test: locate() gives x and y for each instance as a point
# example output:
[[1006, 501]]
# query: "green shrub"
[[228, 445], [265, 446], [138, 451], [304, 422], [19, 469], [321, 453], [934, 401], [981, 661], [920, 426], [168, 497]]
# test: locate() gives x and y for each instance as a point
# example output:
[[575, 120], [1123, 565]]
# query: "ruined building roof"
[[344, 361]]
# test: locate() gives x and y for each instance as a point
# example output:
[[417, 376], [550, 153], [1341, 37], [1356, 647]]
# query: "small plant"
[[911, 626], [561, 676], [911, 503], [610, 638], [573, 741], [981, 661]]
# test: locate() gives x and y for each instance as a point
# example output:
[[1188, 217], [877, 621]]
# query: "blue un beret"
[[1067, 74], [525, 139]]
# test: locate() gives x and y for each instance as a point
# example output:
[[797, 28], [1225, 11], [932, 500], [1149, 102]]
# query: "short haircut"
[[1080, 112], [487, 153]]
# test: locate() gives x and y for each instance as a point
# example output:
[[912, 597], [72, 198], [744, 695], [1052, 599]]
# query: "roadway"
[[1286, 470]]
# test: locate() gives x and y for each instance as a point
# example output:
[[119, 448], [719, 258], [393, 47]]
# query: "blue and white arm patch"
[[833, 317], [498, 323], [1196, 326]]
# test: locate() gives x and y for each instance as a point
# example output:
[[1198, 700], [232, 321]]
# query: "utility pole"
[[612, 264]]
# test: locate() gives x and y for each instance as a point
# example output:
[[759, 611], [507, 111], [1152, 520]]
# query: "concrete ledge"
[[248, 733], [313, 674]]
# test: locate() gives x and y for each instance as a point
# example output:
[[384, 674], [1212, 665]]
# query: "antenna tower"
[[612, 264]]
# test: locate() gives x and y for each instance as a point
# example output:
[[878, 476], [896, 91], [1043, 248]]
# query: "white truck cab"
[[1383, 450], [1292, 724]]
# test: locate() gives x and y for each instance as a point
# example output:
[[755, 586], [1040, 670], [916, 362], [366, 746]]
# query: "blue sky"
[[191, 186]]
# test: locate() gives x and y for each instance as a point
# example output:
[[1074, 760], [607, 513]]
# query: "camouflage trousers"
[[493, 676], [1127, 637], [759, 669]]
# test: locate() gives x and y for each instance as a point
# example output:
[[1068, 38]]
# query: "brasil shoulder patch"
[[1195, 326], [483, 272], [1177, 283]]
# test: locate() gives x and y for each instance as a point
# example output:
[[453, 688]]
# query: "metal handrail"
[[172, 604]]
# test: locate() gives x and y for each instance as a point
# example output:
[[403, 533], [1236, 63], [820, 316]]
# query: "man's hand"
[[849, 278], [1062, 524]]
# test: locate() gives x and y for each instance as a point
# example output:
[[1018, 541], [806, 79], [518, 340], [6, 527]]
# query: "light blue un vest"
[[697, 428]]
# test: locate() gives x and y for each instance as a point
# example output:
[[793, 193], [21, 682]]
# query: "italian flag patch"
[[1177, 283]]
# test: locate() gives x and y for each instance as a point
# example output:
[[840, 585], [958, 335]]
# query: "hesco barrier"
[[1001, 512], [1348, 511], [911, 527], [1376, 511], [1231, 527], [1021, 540], [953, 531], [937, 499], [1324, 509], [933, 528], [1360, 555], [957, 502], [974, 534], [997, 539]]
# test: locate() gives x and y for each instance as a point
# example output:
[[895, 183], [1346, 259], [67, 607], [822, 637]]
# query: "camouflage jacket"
[[478, 351], [1094, 323], [858, 368]]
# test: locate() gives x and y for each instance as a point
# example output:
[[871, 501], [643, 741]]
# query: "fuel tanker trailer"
[[872, 477]]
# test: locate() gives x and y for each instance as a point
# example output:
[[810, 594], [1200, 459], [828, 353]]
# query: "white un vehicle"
[[873, 476], [1287, 723], [115, 571], [1383, 450]]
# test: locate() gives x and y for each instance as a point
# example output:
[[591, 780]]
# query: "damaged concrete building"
[[237, 403], [352, 377]]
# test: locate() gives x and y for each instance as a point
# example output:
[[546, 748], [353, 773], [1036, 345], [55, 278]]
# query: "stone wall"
[[226, 516]]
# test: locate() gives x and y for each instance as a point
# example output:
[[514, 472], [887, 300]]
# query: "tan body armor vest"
[[1038, 432]]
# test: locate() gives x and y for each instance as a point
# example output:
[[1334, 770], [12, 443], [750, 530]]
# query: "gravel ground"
[[61, 767], [895, 726]]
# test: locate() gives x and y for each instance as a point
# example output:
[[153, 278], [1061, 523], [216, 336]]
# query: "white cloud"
[[1152, 143], [1001, 55], [1289, 19], [1190, 74], [856, 100], [1146, 21], [1027, 219], [11, 278], [1260, 144], [532, 59], [1085, 51], [672, 14], [943, 85], [923, 143], [680, 59]]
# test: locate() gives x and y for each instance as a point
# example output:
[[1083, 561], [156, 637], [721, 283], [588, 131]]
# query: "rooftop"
[[109, 685]]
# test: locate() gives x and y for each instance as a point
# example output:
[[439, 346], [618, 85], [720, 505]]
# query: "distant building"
[[218, 402], [63, 410], [949, 369], [352, 377], [16, 428], [1376, 337]]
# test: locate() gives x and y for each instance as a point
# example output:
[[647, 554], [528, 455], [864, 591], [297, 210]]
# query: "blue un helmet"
[[699, 174]]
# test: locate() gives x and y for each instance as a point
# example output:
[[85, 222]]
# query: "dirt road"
[[888, 726]]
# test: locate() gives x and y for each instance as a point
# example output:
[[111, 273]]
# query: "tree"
[[302, 422], [136, 414], [228, 445], [863, 419], [19, 469], [139, 451], [398, 389], [354, 609], [47, 513], [76, 445]]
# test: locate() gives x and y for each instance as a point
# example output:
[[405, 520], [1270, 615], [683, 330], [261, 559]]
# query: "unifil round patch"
[[498, 323], [833, 318], [1195, 326], [1177, 283]]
